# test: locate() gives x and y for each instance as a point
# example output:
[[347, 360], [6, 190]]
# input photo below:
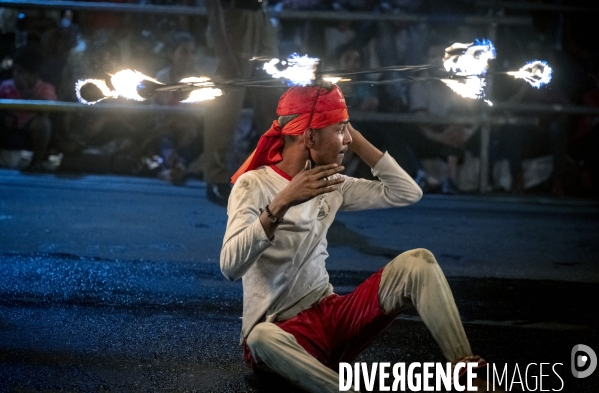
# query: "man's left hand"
[[360, 145]]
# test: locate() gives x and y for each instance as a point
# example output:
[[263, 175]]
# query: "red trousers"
[[338, 328]]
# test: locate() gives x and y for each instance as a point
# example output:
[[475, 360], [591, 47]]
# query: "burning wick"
[[469, 59], [468, 87], [537, 73], [126, 83], [298, 70], [100, 84], [470, 62], [335, 79], [129, 83], [205, 90]]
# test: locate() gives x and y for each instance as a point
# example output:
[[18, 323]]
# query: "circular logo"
[[578, 361], [323, 208]]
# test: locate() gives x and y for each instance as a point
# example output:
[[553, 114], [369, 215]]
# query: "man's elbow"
[[406, 197], [228, 275], [417, 194], [228, 270]]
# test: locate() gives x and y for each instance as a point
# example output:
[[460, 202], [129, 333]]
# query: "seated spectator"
[[517, 142], [584, 142], [25, 130], [56, 43], [93, 59], [181, 51], [115, 136], [106, 22], [399, 43], [312, 31], [433, 97], [144, 53], [364, 96], [99, 58], [178, 137], [336, 37], [360, 96]]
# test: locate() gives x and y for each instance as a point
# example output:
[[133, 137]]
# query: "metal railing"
[[284, 14], [500, 113], [199, 109], [529, 6]]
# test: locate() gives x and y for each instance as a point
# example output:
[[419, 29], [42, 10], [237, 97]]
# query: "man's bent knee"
[[259, 335], [419, 257], [400, 275], [419, 262], [423, 254], [263, 335]]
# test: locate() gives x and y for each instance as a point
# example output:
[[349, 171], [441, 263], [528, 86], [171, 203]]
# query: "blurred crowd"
[[44, 53]]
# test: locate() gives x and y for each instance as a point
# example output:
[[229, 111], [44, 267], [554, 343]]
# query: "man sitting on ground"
[[283, 202]]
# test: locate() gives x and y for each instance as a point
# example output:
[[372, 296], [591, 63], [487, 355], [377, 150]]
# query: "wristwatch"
[[272, 217]]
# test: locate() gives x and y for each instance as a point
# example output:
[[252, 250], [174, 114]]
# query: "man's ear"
[[308, 137]]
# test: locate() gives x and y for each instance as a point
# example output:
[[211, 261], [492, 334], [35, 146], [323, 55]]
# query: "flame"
[[196, 79], [299, 70], [469, 59], [100, 84], [335, 79], [470, 87], [537, 73], [126, 82], [203, 94], [332, 79]]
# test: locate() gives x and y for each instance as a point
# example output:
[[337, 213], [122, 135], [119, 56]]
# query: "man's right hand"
[[304, 186], [309, 183]]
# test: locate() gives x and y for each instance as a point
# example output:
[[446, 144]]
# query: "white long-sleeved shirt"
[[287, 274]]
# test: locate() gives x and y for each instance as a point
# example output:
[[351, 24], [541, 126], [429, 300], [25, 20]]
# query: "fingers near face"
[[329, 170]]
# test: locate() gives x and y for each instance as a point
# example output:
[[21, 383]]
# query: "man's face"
[[330, 144]]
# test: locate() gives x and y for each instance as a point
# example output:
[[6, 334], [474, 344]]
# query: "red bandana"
[[317, 107]]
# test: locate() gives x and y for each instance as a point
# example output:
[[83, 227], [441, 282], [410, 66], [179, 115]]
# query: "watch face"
[[273, 219]]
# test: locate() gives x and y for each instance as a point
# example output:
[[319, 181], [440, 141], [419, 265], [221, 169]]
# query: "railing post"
[[485, 131], [485, 139]]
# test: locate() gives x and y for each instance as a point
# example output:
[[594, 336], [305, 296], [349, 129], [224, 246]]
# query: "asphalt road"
[[112, 284]]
